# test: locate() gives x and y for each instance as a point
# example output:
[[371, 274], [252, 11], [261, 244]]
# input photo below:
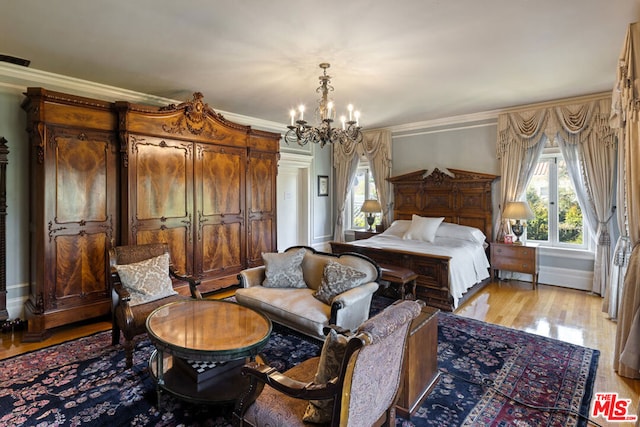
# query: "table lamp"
[[370, 207], [518, 211]]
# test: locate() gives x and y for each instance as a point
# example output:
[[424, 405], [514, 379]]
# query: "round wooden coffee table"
[[201, 346]]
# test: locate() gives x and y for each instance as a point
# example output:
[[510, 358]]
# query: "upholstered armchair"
[[141, 281], [356, 382]]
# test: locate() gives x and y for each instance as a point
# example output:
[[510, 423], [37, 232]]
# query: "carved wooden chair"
[[363, 390], [141, 281]]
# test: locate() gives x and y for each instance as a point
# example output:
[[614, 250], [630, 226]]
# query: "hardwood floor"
[[564, 314]]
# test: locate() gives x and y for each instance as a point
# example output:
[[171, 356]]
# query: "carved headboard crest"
[[437, 176]]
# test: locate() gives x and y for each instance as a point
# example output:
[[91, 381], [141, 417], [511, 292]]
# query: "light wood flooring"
[[564, 314]]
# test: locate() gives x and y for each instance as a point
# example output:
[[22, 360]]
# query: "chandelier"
[[302, 133]]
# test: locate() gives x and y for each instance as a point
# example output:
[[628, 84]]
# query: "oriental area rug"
[[490, 376]]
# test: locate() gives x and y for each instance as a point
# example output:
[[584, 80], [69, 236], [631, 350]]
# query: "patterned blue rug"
[[490, 375]]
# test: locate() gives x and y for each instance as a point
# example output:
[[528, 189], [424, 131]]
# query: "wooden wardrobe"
[[107, 174]]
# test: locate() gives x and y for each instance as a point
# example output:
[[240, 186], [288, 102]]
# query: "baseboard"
[[564, 277]]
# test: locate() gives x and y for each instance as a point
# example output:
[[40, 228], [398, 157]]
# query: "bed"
[[449, 272]]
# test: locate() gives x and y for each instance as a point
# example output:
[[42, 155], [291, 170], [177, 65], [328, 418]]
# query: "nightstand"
[[364, 234], [518, 258]]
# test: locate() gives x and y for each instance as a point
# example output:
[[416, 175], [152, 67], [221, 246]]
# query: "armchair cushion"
[[284, 270], [336, 279], [320, 411], [147, 280]]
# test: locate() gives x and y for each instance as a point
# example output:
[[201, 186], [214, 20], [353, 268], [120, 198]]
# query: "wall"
[[320, 207]]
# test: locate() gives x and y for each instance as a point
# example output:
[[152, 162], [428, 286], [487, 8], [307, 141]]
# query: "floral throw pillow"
[[336, 279], [284, 270], [319, 411], [147, 280]]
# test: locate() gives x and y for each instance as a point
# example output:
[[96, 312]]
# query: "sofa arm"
[[351, 308], [251, 277]]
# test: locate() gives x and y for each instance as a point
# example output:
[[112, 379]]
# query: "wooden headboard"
[[463, 197]]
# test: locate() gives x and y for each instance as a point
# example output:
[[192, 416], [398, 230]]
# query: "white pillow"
[[423, 228], [397, 228], [147, 280], [461, 232]]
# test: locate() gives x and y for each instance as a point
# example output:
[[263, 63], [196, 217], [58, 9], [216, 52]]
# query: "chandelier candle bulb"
[[301, 109], [343, 119], [293, 117], [350, 108]]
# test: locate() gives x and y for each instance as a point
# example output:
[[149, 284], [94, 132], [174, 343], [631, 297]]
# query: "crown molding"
[[16, 78], [455, 122]]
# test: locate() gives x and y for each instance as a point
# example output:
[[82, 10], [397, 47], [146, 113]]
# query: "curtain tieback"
[[623, 252]]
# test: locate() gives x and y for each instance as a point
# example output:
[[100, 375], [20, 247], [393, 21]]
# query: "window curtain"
[[377, 148], [583, 133], [626, 114], [521, 140], [622, 250], [588, 147], [345, 164]]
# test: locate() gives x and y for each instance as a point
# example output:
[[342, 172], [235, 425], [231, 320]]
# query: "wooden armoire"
[[107, 174]]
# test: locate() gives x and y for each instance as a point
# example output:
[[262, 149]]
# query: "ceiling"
[[400, 62]]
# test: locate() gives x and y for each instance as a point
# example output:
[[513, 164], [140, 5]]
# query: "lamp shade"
[[370, 206], [518, 210]]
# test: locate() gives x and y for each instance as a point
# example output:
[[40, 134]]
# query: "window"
[[553, 199], [363, 188]]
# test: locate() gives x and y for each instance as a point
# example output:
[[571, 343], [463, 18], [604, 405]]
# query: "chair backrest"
[[314, 262], [373, 373], [135, 253]]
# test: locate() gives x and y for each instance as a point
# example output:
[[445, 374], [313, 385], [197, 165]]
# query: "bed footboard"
[[432, 284]]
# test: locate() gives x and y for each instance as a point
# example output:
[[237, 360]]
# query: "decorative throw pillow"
[[423, 228], [147, 280], [284, 270], [336, 279], [319, 411]]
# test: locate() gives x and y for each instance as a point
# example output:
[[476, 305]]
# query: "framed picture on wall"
[[323, 185]]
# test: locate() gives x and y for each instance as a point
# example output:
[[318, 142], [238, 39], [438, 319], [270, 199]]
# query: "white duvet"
[[468, 265]]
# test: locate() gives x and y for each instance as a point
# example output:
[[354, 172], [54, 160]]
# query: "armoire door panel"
[[222, 178], [82, 171], [162, 177], [220, 200], [260, 239], [261, 187], [221, 245], [262, 167], [179, 241], [79, 269]]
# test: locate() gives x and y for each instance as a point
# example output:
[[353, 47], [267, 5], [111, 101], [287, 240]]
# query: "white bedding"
[[468, 265]]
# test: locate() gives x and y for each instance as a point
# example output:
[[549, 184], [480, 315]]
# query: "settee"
[[307, 290]]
